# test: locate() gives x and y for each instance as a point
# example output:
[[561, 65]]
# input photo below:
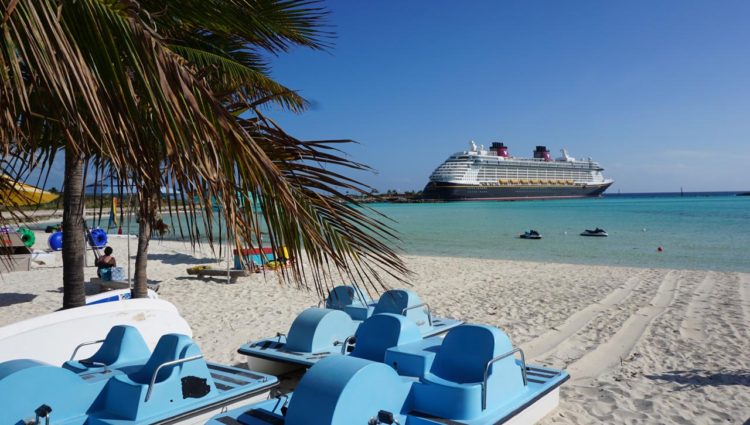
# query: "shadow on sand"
[[180, 259], [207, 279], [10, 298], [700, 378], [89, 288]]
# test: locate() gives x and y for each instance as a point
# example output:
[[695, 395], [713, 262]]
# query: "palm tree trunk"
[[147, 216], [74, 294]]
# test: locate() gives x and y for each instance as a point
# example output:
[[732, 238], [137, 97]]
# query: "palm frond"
[[271, 25], [359, 241], [237, 83], [115, 90]]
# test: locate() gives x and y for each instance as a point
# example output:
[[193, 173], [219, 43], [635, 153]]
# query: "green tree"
[[112, 83], [226, 48]]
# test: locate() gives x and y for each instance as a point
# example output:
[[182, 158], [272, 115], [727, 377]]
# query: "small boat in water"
[[473, 376], [595, 232], [125, 383], [531, 234], [317, 332]]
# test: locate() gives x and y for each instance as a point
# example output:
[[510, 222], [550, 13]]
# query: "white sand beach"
[[641, 345]]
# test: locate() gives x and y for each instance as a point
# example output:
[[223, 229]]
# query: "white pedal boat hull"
[[52, 338]]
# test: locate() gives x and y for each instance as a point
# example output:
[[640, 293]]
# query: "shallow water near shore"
[[703, 232], [695, 232]]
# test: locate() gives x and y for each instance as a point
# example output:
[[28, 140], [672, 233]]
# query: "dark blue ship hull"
[[457, 192]]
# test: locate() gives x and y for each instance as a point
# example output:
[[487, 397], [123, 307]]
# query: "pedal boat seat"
[[351, 300], [381, 332], [123, 346], [180, 376], [406, 303], [452, 389]]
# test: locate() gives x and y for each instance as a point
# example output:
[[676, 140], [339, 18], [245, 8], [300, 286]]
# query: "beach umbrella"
[[18, 194]]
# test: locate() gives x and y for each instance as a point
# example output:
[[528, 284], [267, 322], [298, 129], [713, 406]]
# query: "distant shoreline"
[[415, 198]]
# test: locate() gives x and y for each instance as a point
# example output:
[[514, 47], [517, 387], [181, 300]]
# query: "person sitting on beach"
[[106, 261]]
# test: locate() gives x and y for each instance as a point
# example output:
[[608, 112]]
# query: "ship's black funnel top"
[[541, 152], [500, 149]]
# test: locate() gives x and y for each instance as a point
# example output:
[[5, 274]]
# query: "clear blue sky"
[[657, 91]]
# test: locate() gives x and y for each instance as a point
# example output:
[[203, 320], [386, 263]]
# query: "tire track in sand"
[[608, 354], [744, 289], [543, 344], [693, 326]]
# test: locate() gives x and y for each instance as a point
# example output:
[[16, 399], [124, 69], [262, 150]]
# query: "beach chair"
[[204, 271], [123, 346]]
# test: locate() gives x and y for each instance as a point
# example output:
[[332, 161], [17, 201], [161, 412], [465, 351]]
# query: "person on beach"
[[106, 261]]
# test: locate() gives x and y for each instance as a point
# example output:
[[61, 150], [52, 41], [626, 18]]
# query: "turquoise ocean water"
[[696, 231]]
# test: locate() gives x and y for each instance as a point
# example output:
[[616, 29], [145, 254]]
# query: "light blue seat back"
[[123, 345], [381, 332], [125, 395], [350, 299], [346, 295], [466, 350], [316, 329], [395, 301], [453, 388], [170, 347], [342, 390]]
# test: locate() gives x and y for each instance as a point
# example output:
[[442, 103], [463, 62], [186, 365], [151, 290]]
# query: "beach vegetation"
[[172, 96]]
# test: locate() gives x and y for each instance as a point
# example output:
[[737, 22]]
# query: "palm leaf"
[[116, 90], [236, 82], [270, 25]]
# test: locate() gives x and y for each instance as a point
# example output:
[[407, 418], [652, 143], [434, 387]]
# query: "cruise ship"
[[479, 174]]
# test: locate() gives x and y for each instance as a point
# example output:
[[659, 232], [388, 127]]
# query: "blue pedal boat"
[[124, 383], [358, 305], [473, 376], [319, 332]]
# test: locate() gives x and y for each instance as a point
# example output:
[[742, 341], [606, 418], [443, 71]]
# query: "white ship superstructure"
[[494, 174]]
